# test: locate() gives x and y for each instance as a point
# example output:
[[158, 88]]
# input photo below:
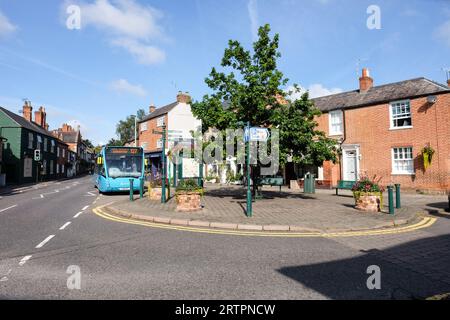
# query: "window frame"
[[144, 126], [162, 119], [330, 124], [393, 161], [30, 141], [391, 115]]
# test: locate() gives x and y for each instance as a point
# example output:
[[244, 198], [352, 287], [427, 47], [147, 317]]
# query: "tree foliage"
[[250, 88], [125, 128]]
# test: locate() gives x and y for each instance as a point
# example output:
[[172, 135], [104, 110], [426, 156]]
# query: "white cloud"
[[123, 18], [442, 33], [129, 25], [253, 15], [144, 54], [6, 27], [315, 90], [123, 85]]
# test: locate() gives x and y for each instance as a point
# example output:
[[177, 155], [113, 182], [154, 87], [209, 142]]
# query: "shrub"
[[189, 185], [157, 183]]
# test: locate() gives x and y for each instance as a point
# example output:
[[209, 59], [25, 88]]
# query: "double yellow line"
[[424, 223]]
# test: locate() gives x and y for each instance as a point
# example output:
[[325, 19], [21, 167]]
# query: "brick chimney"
[[27, 110], [66, 128], [365, 82], [183, 97], [152, 108], [40, 117]]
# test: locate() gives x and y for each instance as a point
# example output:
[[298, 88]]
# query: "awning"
[[153, 155]]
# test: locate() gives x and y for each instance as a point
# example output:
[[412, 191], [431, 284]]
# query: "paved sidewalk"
[[224, 207]]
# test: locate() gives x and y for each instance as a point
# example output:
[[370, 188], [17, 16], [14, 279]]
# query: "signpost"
[[247, 160], [256, 134], [252, 134], [163, 162]]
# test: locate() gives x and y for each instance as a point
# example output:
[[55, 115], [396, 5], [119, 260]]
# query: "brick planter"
[[188, 201], [155, 193], [369, 203]]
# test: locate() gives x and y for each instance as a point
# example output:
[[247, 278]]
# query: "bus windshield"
[[124, 165]]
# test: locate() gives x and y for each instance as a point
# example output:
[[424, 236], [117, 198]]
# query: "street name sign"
[[256, 134]]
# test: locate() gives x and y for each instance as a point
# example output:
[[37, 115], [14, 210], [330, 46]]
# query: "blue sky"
[[129, 54]]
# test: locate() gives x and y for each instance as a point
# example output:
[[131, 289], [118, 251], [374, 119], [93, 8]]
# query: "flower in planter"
[[188, 195], [189, 186], [366, 186]]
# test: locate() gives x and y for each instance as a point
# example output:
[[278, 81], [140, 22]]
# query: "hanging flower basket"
[[427, 155]]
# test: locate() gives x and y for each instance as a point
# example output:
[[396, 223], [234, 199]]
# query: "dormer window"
[[400, 113]]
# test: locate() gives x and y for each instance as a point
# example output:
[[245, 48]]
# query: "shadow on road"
[[240, 194], [414, 270]]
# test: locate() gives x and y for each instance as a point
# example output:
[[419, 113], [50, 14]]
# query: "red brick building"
[[179, 122], [382, 130]]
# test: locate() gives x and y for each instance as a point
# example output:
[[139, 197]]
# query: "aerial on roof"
[[380, 94], [159, 112]]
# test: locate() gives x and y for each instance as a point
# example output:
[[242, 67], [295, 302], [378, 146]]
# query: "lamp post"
[[135, 130]]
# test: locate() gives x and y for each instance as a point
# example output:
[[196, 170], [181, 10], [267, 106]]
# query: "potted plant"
[[427, 155], [188, 195], [368, 194], [211, 178], [155, 189]]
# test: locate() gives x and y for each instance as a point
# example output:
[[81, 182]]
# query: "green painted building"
[[23, 137]]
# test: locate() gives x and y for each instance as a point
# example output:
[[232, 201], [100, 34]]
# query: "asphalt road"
[[43, 234]]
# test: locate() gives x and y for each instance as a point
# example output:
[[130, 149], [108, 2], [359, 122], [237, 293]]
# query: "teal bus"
[[116, 166]]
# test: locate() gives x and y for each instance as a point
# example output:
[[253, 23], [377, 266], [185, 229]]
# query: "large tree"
[[125, 128], [251, 88]]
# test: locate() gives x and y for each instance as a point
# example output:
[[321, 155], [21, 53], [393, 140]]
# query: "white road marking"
[[24, 260], [40, 245], [84, 208], [78, 214], [65, 225], [91, 194], [8, 208]]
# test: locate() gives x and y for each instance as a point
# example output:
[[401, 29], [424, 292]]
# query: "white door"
[[350, 165]]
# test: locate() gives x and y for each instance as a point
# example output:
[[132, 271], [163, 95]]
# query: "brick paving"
[[321, 211]]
